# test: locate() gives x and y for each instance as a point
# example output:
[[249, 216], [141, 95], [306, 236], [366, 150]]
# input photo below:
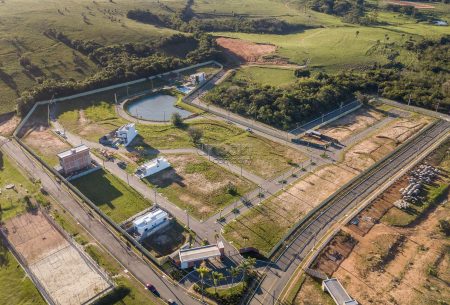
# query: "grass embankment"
[[15, 287], [13, 201], [266, 75], [116, 199]]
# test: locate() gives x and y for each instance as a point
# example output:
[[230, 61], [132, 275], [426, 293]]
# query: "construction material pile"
[[423, 174]]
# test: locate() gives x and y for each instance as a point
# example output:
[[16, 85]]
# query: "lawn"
[[198, 185], [260, 156], [15, 287], [13, 200], [266, 75], [116, 199]]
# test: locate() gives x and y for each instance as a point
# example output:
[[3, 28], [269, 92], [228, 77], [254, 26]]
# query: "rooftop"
[[199, 253], [338, 293], [72, 151], [153, 163], [126, 127], [150, 217]]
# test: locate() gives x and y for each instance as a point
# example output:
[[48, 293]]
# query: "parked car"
[[171, 302], [152, 289], [249, 130]]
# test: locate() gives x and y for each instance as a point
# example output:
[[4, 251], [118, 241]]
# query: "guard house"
[[193, 256], [152, 167], [337, 292], [150, 222], [126, 133], [197, 78], [74, 159]]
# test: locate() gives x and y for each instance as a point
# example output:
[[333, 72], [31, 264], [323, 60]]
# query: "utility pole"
[[409, 100]]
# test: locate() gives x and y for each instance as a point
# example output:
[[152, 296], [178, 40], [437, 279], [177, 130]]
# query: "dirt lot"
[[409, 3], [166, 240], [198, 185], [382, 142], [245, 50], [351, 124], [61, 269], [7, 124]]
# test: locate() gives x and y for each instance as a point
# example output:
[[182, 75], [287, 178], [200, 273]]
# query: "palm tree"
[[246, 265], [216, 276], [203, 270], [234, 271]]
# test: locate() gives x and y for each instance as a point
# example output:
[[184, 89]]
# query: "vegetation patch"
[[197, 185], [116, 199]]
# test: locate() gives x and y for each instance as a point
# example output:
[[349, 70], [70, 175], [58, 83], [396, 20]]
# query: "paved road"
[[305, 239], [140, 269]]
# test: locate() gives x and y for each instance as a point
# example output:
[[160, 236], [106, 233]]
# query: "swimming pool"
[[184, 89], [156, 107]]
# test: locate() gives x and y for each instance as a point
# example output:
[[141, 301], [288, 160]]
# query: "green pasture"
[[266, 75]]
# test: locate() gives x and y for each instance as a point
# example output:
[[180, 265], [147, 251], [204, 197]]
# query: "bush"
[[195, 134], [176, 120], [444, 226], [231, 189]]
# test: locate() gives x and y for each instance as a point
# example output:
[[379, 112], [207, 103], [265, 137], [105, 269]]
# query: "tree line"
[[121, 63], [182, 22]]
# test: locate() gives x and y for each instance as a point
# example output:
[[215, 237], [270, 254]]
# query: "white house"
[[126, 133], [148, 223], [197, 78], [193, 256], [152, 167]]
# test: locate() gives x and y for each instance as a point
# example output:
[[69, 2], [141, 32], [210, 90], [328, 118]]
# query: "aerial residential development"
[[238, 152]]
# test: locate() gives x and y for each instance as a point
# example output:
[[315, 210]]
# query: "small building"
[[440, 22], [152, 167], [197, 78], [126, 133], [193, 256], [149, 223], [337, 292], [74, 159]]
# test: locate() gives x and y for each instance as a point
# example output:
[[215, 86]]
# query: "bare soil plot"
[[198, 185], [311, 293], [246, 50], [352, 123], [45, 143], [383, 141], [417, 5], [263, 226], [167, 240], [8, 124], [65, 273], [408, 275]]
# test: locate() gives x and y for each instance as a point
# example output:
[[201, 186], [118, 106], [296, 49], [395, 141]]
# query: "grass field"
[[15, 287], [13, 200], [266, 75], [23, 24], [338, 47], [198, 185], [111, 195]]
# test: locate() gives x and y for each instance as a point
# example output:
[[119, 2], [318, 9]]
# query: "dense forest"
[[425, 85], [120, 63]]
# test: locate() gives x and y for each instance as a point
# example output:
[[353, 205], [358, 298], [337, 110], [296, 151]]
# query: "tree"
[[195, 134], [444, 226], [247, 265], [362, 98], [176, 120], [234, 271], [217, 277], [203, 271], [357, 34]]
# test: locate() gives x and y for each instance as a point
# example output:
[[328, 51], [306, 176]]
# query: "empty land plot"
[[246, 50], [414, 272], [266, 75], [311, 293], [198, 185], [261, 156], [263, 226], [383, 141], [352, 123], [116, 199], [65, 273]]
